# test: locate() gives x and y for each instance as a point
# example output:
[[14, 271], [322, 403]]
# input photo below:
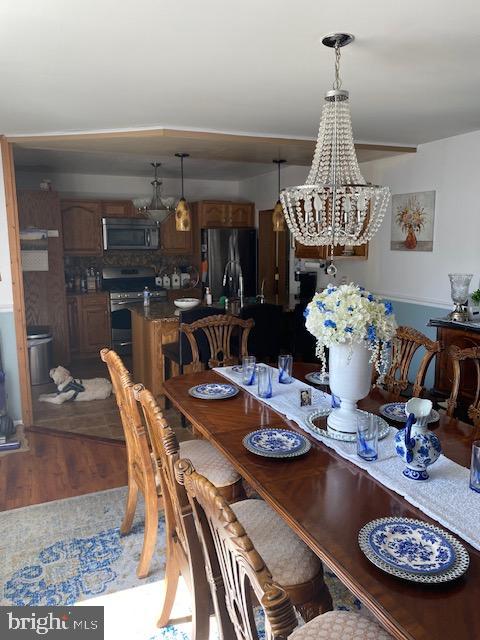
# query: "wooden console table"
[[462, 335]]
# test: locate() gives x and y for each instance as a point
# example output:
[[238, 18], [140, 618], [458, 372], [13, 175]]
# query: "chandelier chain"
[[337, 83]]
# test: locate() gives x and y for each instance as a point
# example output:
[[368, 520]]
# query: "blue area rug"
[[71, 552]]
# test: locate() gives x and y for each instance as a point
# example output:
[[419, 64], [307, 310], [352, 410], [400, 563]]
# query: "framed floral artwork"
[[413, 216]]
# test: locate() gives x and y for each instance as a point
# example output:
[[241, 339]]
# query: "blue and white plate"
[[276, 443], [413, 550], [396, 411], [317, 377], [213, 391]]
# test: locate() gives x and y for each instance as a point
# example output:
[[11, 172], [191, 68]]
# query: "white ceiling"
[[48, 161], [250, 66]]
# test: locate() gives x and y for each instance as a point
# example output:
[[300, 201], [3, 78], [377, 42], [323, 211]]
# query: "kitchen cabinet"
[[214, 214], [89, 323], [82, 229], [120, 209], [323, 252], [73, 323], [241, 214], [148, 338], [173, 242]]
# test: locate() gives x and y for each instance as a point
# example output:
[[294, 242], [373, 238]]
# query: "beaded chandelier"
[[336, 206]]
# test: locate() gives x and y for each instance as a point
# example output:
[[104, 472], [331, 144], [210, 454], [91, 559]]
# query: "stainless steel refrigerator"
[[231, 255]]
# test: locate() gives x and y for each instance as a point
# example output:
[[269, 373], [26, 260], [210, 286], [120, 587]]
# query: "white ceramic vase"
[[350, 380]]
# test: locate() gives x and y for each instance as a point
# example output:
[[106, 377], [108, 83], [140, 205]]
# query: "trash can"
[[39, 342]]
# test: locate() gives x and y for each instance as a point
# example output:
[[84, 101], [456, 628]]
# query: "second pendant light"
[[278, 218], [183, 217]]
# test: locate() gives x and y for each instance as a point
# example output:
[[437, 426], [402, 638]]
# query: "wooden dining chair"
[[183, 552], [142, 471], [251, 547], [405, 344], [220, 331], [465, 356]]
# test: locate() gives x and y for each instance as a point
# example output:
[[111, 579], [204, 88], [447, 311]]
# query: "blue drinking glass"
[[367, 436], [264, 375], [248, 370], [475, 467], [285, 364]]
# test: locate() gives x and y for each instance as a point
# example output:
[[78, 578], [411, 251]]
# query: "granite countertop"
[[470, 325], [157, 311], [97, 292], [154, 311]]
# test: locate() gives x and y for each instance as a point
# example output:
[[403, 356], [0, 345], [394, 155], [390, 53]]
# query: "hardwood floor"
[[59, 466]]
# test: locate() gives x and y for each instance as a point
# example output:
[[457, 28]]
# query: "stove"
[[126, 286]]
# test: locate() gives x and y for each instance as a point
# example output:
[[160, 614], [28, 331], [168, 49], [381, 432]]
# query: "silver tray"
[[383, 427], [458, 569]]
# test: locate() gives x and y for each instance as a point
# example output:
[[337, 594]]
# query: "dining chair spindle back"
[[219, 331], [458, 356], [405, 344], [141, 468]]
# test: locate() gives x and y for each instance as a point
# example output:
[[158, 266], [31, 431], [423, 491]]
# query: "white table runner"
[[445, 497]]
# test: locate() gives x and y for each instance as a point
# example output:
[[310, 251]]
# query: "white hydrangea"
[[348, 314]]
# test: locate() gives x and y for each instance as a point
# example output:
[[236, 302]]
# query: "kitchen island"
[[152, 328]]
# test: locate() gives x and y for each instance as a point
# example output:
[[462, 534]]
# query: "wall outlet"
[[344, 280]]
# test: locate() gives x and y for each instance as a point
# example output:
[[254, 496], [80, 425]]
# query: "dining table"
[[326, 500]]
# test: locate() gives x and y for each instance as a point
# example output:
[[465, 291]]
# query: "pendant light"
[[154, 207], [336, 206], [278, 219], [183, 217]]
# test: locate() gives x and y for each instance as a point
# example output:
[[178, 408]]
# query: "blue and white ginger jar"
[[415, 444]]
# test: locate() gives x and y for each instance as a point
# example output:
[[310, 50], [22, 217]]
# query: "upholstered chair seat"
[[209, 462], [289, 559], [340, 625]]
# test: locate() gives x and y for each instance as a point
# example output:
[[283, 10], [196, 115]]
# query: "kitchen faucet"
[[233, 268], [229, 272], [261, 297]]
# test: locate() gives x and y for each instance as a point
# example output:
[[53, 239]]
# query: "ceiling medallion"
[[336, 206]]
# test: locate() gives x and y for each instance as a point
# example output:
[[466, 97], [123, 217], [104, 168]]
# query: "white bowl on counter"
[[186, 303]]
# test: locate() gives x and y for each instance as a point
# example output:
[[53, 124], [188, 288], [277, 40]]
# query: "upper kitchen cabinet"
[[82, 228], [120, 209], [322, 252], [173, 242], [214, 214], [241, 214]]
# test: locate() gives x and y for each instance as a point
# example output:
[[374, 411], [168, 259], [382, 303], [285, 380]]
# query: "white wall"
[[127, 187], [450, 167], [263, 190]]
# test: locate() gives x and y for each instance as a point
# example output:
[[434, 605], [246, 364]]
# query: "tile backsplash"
[[126, 259]]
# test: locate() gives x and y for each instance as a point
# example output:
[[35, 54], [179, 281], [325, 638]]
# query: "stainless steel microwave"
[[129, 233]]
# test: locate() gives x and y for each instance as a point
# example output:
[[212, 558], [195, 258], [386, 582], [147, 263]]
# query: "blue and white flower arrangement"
[[348, 314]]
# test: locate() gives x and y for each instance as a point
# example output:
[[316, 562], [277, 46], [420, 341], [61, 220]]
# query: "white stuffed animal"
[[70, 388]]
